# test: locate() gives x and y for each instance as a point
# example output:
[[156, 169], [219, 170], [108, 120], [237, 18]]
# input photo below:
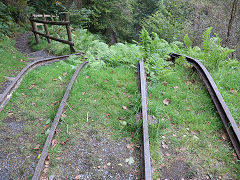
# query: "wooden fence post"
[[46, 29], [34, 27], [69, 32]]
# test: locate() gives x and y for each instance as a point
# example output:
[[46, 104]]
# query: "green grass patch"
[[98, 99], [11, 60]]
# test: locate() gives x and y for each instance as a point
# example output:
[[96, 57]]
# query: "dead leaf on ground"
[[55, 102], [164, 146], [64, 74], [58, 158], [83, 93], [106, 80], [165, 83], [37, 147], [167, 154], [232, 91], [124, 107], [64, 142], [45, 127], [182, 149], [224, 136], [32, 86], [130, 146], [166, 101], [64, 115], [24, 95], [188, 108], [46, 163], [54, 142], [234, 156], [107, 115], [188, 83], [77, 177]]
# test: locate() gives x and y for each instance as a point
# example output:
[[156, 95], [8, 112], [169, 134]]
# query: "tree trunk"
[[138, 29], [78, 3], [233, 13], [113, 38]]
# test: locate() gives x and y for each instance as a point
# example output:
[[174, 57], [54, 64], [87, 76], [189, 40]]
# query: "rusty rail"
[[143, 91], [55, 123], [5, 97], [223, 111]]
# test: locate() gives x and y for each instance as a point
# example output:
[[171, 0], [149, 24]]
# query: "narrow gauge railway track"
[[223, 111], [5, 97], [51, 133], [143, 91]]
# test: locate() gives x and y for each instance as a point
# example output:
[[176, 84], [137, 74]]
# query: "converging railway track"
[[228, 121]]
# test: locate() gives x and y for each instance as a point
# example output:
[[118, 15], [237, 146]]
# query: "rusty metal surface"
[[143, 91], [5, 97], [44, 153], [223, 111]]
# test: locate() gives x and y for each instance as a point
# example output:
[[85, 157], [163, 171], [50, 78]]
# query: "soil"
[[22, 45], [95, 155], [17, 160]]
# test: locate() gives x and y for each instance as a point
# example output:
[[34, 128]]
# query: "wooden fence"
[[35, 22]]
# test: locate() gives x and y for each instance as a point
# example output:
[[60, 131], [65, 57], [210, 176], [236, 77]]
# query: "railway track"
[[7, 94], [228, 121], [223, 111]]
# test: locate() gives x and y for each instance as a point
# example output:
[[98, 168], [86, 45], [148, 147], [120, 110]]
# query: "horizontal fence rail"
[[44, 22]]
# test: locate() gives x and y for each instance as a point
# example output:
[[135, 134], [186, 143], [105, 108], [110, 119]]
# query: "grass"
[[11, 61], [101, 94], [190, 125]]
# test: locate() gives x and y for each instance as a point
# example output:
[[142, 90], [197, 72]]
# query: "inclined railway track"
[[228, 121], [223, 111], [5, 97]]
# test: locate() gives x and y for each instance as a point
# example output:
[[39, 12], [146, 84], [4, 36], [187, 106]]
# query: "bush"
[[212, 54]]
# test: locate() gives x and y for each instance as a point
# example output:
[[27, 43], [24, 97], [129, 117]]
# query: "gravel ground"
[[94, 155]]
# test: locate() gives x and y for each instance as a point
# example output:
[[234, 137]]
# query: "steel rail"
[[223, 111], [44, 153], [5, 97], [143, 91]]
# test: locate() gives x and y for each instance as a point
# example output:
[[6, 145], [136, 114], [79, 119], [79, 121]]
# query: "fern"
[[207, 40], [187, 41]]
